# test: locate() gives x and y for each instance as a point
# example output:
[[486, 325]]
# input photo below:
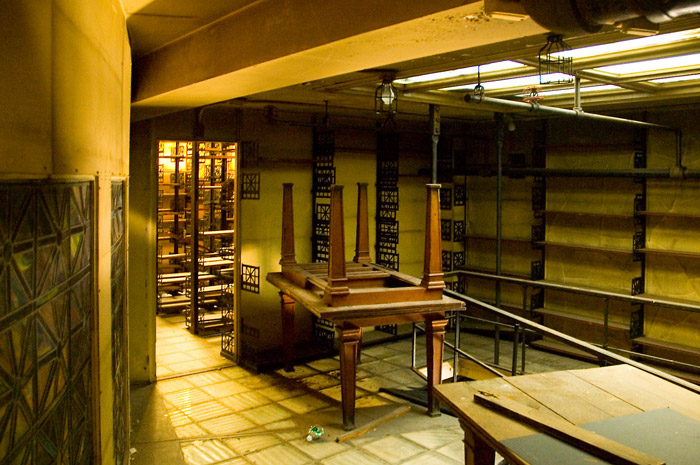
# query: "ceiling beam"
[[279, 43]]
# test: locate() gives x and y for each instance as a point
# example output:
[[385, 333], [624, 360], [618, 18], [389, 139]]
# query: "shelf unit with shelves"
[[196, 219]]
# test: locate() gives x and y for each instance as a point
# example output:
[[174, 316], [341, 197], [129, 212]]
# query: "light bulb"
[[388, 94]]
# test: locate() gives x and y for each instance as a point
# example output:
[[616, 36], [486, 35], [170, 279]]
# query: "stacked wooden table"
[[358, 294]]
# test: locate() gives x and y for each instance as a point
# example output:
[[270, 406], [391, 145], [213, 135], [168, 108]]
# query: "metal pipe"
[[585, 291], [534, 107], [577, 94], [583, 173]]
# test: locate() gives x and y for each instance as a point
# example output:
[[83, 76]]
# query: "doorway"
[[196, 310]]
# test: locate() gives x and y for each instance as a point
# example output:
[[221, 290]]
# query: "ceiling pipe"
[[589, 16], [677, 171]]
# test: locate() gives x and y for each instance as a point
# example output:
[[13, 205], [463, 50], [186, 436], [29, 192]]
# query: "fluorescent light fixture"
[[689, 77], [549, 93], [520, 82], [652, 65], [488, 68], [633, 44]]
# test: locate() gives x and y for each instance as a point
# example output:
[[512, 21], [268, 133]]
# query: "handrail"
[[580, 290], [602, 354]]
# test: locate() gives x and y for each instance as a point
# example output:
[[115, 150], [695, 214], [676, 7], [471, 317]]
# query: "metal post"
[[500, 136], [606, 316], [194, 242], [455, 366], [514, 365]]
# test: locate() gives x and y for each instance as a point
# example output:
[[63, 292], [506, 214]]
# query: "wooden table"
[[350, 319], [357, 294], [597, 395]]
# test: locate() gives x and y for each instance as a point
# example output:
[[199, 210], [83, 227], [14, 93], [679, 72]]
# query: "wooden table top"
[[578, 396], [313, 301]]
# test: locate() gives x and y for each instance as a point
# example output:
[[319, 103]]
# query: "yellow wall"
[[66, 92]]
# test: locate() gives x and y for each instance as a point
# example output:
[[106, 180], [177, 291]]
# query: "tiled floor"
[[224, 414]]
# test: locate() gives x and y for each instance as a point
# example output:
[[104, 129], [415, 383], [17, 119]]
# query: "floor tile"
[[429, 458], [205, 411], [283, 391], [244, 401], [163, 372], [406, 378], [235, 461], [178, 417], [186, 367], [260, 381], [379, 351], [206, 452], [335, 393], [326, 364], [280, 454], [374, 383], [454, 450], [236, 372], [266, 414], [248, 444], [187, 397], [191, 430], [225, 389], [300, 371], [318, 382], [210, 377], [370, 401], [227, 424], [175, 384], [320, 448], [436, 437], [393, 449], [304, 404], [353, 457], [175, 357]]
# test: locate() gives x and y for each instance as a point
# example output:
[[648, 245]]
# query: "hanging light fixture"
[[386, 98], [555, 67]]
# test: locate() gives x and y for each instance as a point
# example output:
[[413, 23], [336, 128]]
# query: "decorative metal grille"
[[250, 278], [458, 259], [459, 231], [460, 195], [323, 331], [446, 230], [387, 199], [446, 260], [46, 323], [250, 186], [537, 270], [323, 179], [446, 198]]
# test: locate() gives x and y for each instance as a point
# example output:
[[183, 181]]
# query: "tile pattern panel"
[[120, 391], [46, 312]]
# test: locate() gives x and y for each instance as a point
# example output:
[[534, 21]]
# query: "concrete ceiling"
[[259, 52]]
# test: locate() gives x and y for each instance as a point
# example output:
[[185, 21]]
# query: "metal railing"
[[521, 326]]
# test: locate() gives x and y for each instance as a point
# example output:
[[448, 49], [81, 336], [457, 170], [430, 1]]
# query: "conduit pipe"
[[495, 104]]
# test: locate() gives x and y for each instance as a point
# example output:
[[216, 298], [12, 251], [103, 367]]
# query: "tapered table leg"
[[287, 331], [348, 340], [435, 336]]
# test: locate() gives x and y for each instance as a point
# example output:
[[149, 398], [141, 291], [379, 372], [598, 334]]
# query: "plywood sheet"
[[665, 434]]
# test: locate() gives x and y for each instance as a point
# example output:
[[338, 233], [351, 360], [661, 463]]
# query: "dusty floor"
[[206, 410]]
